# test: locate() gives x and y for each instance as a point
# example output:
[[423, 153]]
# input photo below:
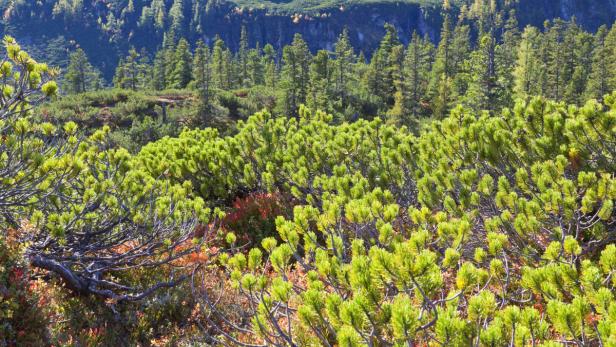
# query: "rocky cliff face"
[[105, 39], [589, 13], [365, 24]]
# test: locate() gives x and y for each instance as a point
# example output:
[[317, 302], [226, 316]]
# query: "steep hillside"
[[49, 27]]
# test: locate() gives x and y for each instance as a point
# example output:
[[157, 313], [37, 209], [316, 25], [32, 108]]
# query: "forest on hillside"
[[482, 62], [107, 30], [458, 192]]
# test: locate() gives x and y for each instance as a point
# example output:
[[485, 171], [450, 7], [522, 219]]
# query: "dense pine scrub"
[[482, 230]]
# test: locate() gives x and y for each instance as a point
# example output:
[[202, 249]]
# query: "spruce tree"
[[81, 76], [230, 69], [527, 72], [443, 61], [601, 77], [385, 67], [295, 74], [169, 48], [130, 73], [202, 73], [460, 48], [242, 57], [319, 95], [442, 71], [505, 60], [176, 17], [254, 67], [158, 79], [182, 71], [343, 67], [555, 59], [222, 69], [579, 64], [482, 89], [268, 61], [417, 74]]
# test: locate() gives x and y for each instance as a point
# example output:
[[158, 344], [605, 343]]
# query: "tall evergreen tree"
[[254, 67], [242, 56], [579, 64], [176, 17], [202, 73], [158, 80], [601, 79], [385, 67], [482, 90], [319, 96], [442, 60], [416, 71], [169, 48], [130, 73], [505, 60], [527, 73], [182, 71], [221, 68], [555, 58], [442, 72], [270, 68], [81, 76], [343, 67], [295, 74]]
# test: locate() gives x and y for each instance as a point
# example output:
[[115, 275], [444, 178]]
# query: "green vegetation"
[[111, 29], [482, 61], [458, 193], [465, 234]]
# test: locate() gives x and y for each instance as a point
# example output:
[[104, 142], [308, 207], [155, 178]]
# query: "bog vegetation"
[[454, 195]]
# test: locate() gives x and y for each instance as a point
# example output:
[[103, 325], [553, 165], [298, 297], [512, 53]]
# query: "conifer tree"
[[270, 67], [176, 17], [158, 79], [460, 48], [385, 67], [442, 71], [231, 70], [242, 55], [442, 60], [221, 65], [343, 67], [417, 74], [202, 73], [505, 59], [319, 96], [81, 76], [295, 74], [398, 113], [460, 68], [182, 71], [555, 58], [527, 73], [169, 49], [610, 42], [579, 64], [483, 90], [601, 81], [254, 67], [130, 73]]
